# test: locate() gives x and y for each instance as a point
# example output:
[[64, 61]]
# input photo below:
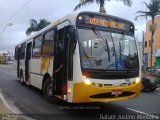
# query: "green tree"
[[35, 26], [152, 10], [101, 3]]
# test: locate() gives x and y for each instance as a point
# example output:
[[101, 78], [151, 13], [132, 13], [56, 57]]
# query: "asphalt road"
[[30, 102]]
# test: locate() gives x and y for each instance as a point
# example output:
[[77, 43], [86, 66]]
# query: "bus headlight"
[[138, 80], [86, 80]]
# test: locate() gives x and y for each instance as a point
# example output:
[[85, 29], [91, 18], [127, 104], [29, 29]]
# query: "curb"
[[9, 113]]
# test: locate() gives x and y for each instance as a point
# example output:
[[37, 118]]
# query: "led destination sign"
[[106, 23]]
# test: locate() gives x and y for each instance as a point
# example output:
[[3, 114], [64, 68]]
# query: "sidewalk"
[[7, 114], [4, 109]]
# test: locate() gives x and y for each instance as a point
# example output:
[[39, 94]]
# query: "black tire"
[[22, 78], [47, 91]]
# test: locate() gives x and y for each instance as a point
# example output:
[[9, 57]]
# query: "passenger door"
[[27, 60], [63, 61], [59, 63], [18, 60]]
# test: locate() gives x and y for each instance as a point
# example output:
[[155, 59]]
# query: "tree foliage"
[[101, 3], [152, 10], [35, 26]]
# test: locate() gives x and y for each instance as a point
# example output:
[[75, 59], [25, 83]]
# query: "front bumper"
[[89, 93]]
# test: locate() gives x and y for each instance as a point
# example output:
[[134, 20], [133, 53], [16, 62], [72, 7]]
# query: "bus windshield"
[[107, 51]]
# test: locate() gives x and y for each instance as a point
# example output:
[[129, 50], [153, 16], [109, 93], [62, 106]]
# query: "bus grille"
[[109, 95]]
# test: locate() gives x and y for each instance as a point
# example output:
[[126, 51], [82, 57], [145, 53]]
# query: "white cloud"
[[52, 10]]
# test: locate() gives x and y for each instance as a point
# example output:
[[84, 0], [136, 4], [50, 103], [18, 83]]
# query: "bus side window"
[[37, 44], [22, 51], [48, 44], [16, 53]]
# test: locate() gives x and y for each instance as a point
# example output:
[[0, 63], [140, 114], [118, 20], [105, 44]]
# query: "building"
[[6, 55], [156, 44]]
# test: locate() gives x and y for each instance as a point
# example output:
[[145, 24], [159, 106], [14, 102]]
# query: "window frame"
[[145, 44], [22, 51], [40, 47], [43, 40], [16, 53]]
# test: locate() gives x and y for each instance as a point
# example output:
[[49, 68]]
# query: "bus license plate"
[[116, 92]]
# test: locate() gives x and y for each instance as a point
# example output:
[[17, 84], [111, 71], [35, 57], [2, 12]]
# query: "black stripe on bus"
[[36, 73]]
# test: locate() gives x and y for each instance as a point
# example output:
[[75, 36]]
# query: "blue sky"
[[52, 10]]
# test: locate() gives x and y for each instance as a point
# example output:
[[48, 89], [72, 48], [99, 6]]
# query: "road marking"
[[4, 101], [143, 113], [157, 93], [7, 73], [13, 109]]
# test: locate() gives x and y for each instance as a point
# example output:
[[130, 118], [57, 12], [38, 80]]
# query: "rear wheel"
[[47, 91]]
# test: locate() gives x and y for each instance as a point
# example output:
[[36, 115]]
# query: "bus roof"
[[72, 18]]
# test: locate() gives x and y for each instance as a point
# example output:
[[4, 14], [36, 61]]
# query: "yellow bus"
[[83, 57]]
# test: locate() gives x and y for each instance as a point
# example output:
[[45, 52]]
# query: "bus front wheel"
[[47, 91]]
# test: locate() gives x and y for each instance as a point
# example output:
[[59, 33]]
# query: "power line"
[[23, 6]]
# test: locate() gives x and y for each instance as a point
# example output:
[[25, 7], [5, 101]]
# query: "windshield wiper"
[[106, 47], [120, 50], [85, 54]]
